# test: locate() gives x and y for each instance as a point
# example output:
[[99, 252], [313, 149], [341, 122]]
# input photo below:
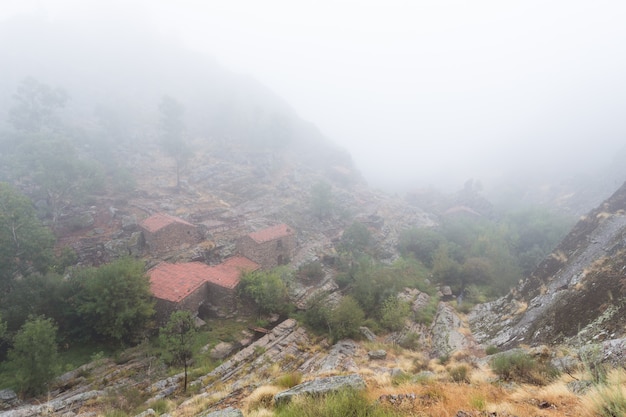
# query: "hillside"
[[575, 295]]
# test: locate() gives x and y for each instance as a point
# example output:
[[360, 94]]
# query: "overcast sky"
[[416, 90]]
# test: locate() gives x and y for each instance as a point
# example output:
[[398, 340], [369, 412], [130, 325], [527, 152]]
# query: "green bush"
[[491, 350], [521, 367], [459, 373]]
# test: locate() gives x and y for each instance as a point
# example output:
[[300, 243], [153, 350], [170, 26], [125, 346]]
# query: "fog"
[[427, 93]]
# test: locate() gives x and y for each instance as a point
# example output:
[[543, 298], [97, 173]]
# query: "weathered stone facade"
[[269, 247], [163, 233]]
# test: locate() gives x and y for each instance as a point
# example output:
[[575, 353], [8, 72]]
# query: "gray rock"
[[227, 412], [129, 223], [579, 387], [321, 386], [339, 356], [377, 354], [367, 333], [148, 412], [221, 350]]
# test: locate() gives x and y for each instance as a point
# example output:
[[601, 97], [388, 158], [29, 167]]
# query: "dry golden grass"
[[199, 403], [261, 398]]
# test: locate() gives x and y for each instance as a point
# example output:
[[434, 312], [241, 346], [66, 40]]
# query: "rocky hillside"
[[575, 295]]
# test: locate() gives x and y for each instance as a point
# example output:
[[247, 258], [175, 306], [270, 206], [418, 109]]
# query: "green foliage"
[[356, 238], [322, 200], [177, 337], [420, 244], [3, 330], [33, 356], [311, 271], [346, 318], [337, 404], [459, 374], [521, 367], [426, 314], [25, 244], [317, 314], [115, 300], [393, 313], [491, 350], [267, 289]]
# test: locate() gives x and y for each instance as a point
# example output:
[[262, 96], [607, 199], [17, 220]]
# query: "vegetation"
[[345, 319], [521, 367], [33, 357], [177, 337], [115, 300], [268, 290], [321, 200], [339, 404]]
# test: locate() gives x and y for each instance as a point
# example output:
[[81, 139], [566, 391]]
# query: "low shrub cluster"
[[522, 367]]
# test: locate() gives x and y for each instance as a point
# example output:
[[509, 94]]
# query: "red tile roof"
[[228, 273], [174, 282], [159, 220], [271, 233]]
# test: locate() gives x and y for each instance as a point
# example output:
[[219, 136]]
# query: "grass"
[[288, 380], [522, 367], [340, 404]]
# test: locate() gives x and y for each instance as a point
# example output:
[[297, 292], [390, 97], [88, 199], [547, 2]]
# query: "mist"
[[419, 93]]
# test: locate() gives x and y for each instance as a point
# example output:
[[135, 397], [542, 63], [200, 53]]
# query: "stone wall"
[[191, 303], [268, 254], [223, 301], [171, 237]]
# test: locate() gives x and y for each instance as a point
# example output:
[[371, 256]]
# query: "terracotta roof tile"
[[159, 220], [271, 233], [174, 282], [228, 273]]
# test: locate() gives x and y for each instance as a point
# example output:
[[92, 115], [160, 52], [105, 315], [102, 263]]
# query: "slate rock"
[[377, 354], [227, 412], [321, 386]]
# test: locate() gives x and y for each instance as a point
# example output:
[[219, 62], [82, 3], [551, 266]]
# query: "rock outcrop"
[[575, 295], [321, 386]]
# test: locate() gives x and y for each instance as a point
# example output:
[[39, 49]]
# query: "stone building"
[[162, 233], [191, 285], [269, 247]]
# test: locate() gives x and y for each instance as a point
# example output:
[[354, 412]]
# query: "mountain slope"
[[577, 293]]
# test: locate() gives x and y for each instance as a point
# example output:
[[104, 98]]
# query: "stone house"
[[162, 233], [191, 285], [269, 247]]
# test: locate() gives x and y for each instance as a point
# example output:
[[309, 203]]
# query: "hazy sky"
[[417, 90]]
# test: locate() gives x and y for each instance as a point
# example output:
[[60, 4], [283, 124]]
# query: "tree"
[[60, 176], [178, 337], [267, 289], [36, 106], [115, 300], [346, 318], [173, 128], [321, 200], [25, 244], [393, 313], [356, 238], [34, 355]]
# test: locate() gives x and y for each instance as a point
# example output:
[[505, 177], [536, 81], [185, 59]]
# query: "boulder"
[[221, 350], [321, 386], [367, 333], [8, 398], [227, 412], [377, 354]]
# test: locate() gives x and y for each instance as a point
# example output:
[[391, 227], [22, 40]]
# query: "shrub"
[[346, 318], [609, 401], [521, 367], [393, 313], [289, 380], [459, 373], [339, 404], [311, 272], [491, 350]]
